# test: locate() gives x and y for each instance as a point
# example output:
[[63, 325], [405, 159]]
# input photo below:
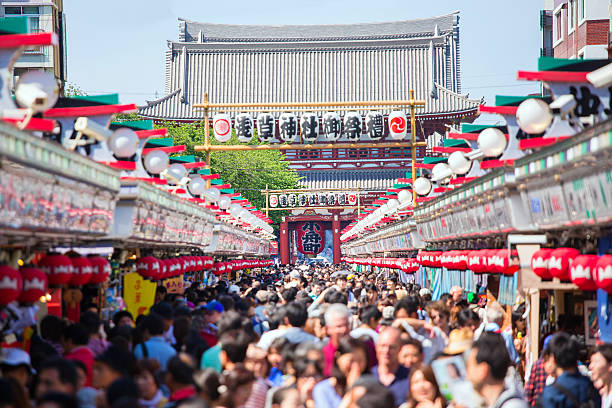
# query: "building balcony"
[[546, 52]]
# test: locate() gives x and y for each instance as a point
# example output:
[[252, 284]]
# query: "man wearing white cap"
[[15, 363]]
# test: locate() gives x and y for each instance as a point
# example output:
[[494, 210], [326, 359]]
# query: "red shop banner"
[[311, 238]]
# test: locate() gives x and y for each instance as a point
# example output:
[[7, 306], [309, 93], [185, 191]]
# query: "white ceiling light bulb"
[[533, 116], [36, 90], [492, 142], [459, 164], [123, 143], [156, 161], [422, 186], [441, 172], [197, 186], [224, 202]]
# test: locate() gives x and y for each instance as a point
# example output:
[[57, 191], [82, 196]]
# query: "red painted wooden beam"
[[493, 164], [120, 165], [167, 149], [210, 176], [424, 199], [35, 124], [195, 165], [553, 76], [501, 110], [90, 110], [152, 180], [538, 142], [465, 136], [23, 40], [428, 166], [447, 149], [461, 180], [143, 134]]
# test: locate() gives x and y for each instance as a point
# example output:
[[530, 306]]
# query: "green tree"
[[248, 172], [71, 89]]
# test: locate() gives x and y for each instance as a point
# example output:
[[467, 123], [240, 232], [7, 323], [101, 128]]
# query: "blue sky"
[[118, 46]]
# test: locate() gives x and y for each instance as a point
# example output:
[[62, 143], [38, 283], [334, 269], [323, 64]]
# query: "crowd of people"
[[302, 337]]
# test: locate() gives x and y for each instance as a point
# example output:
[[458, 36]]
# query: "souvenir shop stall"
[[522, 209], [96, 212]]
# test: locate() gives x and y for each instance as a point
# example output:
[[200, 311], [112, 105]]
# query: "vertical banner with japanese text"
[[311, 237], [138, 293]]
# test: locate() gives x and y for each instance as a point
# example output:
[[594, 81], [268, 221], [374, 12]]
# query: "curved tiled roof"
[[209, 32]]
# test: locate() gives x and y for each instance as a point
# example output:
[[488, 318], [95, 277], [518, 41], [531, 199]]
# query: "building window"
[[581, 10], [571, 15], [30, 10], [22, 10], [12, 10], [557, 28]]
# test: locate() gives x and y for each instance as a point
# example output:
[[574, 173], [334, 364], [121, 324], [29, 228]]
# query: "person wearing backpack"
[[571, 389]]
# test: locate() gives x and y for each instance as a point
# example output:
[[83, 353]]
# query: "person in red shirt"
[[75, 342], [337, 318]]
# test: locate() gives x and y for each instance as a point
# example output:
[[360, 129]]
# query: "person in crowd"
[[154, 345], [601, 372], [369, 316], [179, 380], [165, 311], [467, 318], [439, 316], [16, 365], [389, 371], [350, 363], [97, 343], [308, 373], [295, 317], [57, 400], [278, 325], [147, 378], [487, 365], [424, 391], [57, 375], [234, 345], [337, 318], [570, 388], [411, 353], [495, 319], [75, 342], [236, 386], [122, 393], [113, 364], [49, 342], [257, 363], [123, 318], [456, 293]]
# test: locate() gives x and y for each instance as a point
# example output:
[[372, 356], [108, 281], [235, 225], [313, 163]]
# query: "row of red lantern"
[[226, 267], [63, 270], [497, 261], [588, 272], [25, 285], [152, 268], [408, 265]]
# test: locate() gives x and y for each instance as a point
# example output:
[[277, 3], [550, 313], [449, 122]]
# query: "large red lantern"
[[583, 270], [148, 267], [504, 263], [185, 264], [34, 285], [58, 269], [101, 269], [560, 261], [199, 263], [460, 260], [603, 275], [539, 263], [10, 285], [81, 271], [474, 261]]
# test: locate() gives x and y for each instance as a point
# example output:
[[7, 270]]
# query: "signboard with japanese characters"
[[329, 199], [138, 293], [311, 238]]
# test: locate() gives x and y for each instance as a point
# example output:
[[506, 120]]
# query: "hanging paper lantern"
[[309, 127], [101, 269], [148, 267], [185, 264], [273, 201], [582, 271], [34, 285], [58, 269], [287, 127], [475, 261], [292, 200], [10, 285], [375, 126], [504, 262], [331, 199], [266, 127], [302, 200], [244, 127], [461, 260], [352, 126], [81, 271], [222, 127], [331, 126], [200, 263], [282, 200], [539, 263], [603, 273], [398, 125], [560, 261]]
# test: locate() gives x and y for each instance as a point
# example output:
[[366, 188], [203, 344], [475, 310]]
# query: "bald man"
[[389, 371]]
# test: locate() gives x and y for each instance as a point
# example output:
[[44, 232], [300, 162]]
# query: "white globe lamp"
[[197, 186], [492, 142], [459, 164], [123, 143], [37, 90], [212, 194], [533, 116], [422, 186], [177, 171], [156, 161], [224, 203]]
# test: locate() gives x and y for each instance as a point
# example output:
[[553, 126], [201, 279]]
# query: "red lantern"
[[81, 271], [185, 264], [58, 269], [603, 275], [539, 263], [476, 261], [199, 263], [148, 267], [505, 265], [10, 285], [101, 269], [583, 270], [34, 285], [193, 264], [560, 262]]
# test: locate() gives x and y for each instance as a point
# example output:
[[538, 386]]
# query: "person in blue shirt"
[[154, 346], [571, 389]]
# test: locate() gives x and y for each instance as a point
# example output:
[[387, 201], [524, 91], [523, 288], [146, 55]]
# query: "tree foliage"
[[249, 172]]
